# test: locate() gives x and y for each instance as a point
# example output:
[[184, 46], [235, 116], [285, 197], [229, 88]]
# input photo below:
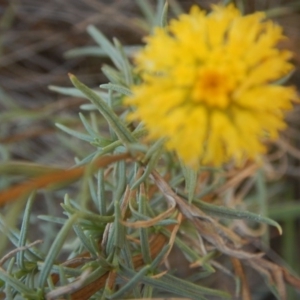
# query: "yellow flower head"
[[208, 85]]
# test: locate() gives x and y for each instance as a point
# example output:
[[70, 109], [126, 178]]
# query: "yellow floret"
[[208, 85]]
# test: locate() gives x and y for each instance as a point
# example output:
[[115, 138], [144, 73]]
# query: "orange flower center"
[[212, 88]]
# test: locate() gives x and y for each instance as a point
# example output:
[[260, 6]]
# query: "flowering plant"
[[206, 86]]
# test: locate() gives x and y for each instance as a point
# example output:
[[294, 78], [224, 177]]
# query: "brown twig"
[[47, 180]]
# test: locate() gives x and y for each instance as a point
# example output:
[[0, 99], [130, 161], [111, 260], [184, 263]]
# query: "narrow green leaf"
[[135, 213], [189, 253], [25, 168], [106, 45], [226, 2], [84, 239], [163, 20], [8, 288], [240, 4], [284, 79], [171, 284], [92, 190], [120, 180], [150, 165], [126, 66], [262, 199], [55, 268], [88, 107], [24, 230], [54, 250], [218, 181], [62, 276], [86, 215], [190, 176], [134, 280], [100, 193], [117, 88], [160, 5], [73, 92], [157, 146], [15, 283], [157, 260], [138, 133], [126, 257], [119, 233], [181, 284], [166, 222], [284, 211], [110, 242], [147, 10], [114, 121], [88, 127], [56, 220], [113, 75], [144, 234], [66, 91], [96, 274], [127, 254], [176, 7], [94, 51], [225, 212], [14, 235], [148, 292], [281, 11], [74, 133]]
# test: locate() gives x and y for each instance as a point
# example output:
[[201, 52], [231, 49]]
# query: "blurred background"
[[36, 38]]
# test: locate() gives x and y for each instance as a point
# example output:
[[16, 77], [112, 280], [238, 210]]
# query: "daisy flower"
[[208, 85]]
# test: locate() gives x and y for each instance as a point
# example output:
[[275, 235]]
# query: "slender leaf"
[[117, 88], [24, 230], [120, 129], [54, 250]]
